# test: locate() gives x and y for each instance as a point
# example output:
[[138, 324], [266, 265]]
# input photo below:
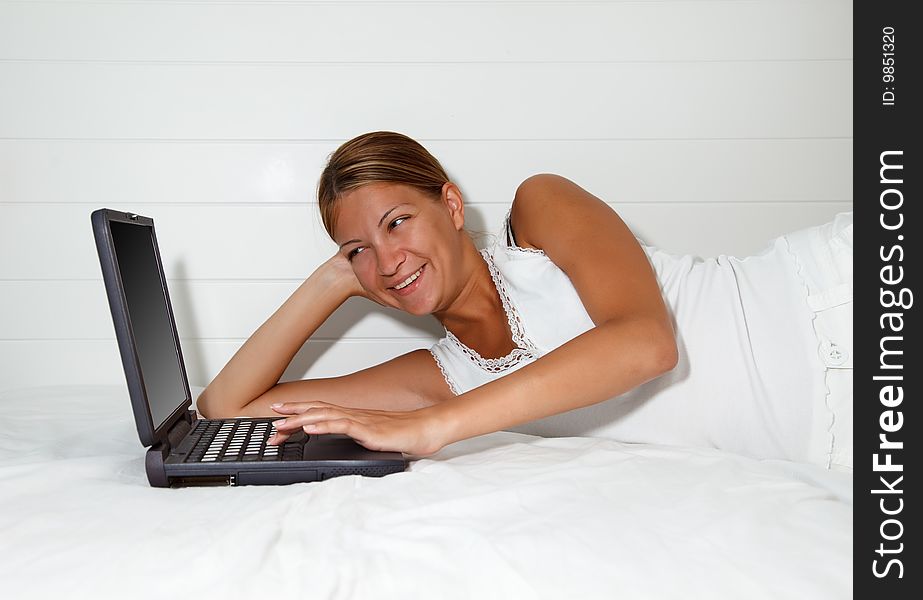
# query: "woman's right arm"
[[248, 384], [260, 362]]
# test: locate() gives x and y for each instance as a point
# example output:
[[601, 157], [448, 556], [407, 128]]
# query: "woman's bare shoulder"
[[589, 241], [548, 207]]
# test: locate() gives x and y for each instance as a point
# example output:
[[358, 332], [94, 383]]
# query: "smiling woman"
[[399, 225], [567, 313]]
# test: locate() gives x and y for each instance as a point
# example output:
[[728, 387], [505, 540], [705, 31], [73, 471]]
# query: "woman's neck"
[[477, 310]]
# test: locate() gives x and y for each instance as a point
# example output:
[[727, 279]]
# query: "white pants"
[[824, 255]]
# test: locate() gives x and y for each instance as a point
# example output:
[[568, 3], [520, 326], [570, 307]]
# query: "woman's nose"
[[390, 259]]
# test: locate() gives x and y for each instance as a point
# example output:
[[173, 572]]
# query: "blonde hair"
[[376, 157]]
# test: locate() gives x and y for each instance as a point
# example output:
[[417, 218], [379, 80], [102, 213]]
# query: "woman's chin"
[[415, 306], [417, 302], [416, 309]]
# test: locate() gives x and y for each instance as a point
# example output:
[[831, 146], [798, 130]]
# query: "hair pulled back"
[[376, 157]]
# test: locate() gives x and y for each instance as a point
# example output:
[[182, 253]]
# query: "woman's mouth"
[[409, 285]]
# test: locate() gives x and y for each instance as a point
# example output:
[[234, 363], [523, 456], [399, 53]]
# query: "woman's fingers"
[[343, 425], [285, 427], [294, 408], [278, 437], [411, 432], [306, 416], [316, 420]]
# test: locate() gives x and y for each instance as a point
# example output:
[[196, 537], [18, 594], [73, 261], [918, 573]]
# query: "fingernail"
[[276, 405], [280, 422]]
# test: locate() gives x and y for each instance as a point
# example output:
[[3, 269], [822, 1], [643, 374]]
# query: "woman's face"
[[404, 246]]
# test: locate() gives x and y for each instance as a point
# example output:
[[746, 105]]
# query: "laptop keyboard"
[[240, 440]]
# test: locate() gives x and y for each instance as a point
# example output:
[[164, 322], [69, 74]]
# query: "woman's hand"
[[340, 273], [414, 432]]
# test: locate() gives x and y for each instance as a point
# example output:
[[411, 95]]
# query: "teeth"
[[408, 281]]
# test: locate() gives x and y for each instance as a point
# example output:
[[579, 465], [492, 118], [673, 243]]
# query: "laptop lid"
[[144, 324]]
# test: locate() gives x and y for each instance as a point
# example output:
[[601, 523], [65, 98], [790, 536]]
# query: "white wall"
[[710, 126]]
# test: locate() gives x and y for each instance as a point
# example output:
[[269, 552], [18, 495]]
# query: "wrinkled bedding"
[[505, 515]]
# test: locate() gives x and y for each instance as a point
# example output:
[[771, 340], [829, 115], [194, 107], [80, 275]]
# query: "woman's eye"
[[397, 222], [352, 253]]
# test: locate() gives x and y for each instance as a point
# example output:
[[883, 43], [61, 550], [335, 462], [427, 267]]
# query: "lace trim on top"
[[525, 349], [529, 250]]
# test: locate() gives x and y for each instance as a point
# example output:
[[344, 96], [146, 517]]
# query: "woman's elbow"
[[203, 406], [653, 349], [665, 356], [207, 407], [660, 354]]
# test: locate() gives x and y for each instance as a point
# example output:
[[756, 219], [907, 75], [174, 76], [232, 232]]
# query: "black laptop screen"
[[150, 320]]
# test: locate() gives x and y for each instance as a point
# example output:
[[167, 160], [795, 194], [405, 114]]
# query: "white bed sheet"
[[505, 515]]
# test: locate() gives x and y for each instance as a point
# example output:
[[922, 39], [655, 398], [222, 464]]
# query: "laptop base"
[[324, 456]]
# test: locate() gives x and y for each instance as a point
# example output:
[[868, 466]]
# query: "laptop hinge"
[[178, 431], [157, 454]]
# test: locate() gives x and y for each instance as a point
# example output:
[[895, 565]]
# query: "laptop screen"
[[148, 314]]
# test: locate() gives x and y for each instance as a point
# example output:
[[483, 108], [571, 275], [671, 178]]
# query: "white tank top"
[[749, 378]]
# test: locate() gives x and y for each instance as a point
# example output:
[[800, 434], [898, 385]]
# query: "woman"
[[566, 314]]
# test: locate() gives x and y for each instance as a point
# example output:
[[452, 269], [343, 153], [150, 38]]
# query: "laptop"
[[184, 450]]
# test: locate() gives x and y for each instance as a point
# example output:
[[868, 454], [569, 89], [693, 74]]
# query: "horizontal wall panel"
[[203, 310], [288, 242], [458, 101], [426, 31], [40, 363], [628, 170]]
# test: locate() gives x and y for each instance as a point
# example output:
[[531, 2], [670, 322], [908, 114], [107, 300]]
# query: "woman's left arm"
[[632, 343]]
